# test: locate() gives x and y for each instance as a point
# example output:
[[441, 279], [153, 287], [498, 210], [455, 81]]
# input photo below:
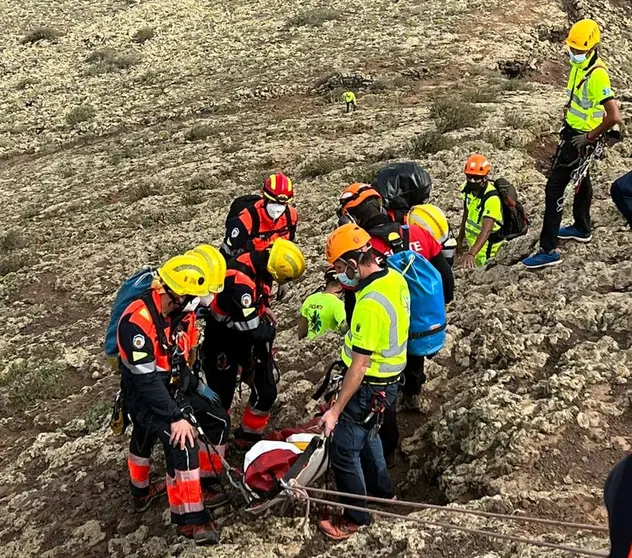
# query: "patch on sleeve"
[[246, 300], [357, 328], [234, 233], [607, 91], [139, 341], [138, 355]]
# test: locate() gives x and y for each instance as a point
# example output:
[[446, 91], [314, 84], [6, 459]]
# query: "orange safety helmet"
[[344, 239], [355, 194], [477, 165], [278, 188]]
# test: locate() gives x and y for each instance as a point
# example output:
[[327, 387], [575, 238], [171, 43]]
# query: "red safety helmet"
[[278, 188], [355, 194]]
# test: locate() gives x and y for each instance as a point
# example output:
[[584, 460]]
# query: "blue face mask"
[[351, 283], [577, 58]]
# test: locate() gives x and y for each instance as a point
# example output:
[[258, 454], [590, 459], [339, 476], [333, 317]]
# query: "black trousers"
[[567, 162], [351, 105], [618, 499], [225, 352], [414, 378]]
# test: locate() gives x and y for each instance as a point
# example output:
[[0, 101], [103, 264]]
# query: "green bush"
[[11, 241], [454, 114], [320, 167], [200, 132], [41, 34], [97, 415], [107, 60], [313, 18], [29, 385], [516, 119], [82, 113], [143, 35], [429, 143], [484, 95]]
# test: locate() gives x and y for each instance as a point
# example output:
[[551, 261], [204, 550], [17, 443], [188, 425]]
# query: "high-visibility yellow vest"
[[379, 326], [349, 97], [588, 87]]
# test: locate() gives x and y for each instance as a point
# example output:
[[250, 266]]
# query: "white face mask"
[[577, 58], [275, 210], [192, 305], [207, 300]]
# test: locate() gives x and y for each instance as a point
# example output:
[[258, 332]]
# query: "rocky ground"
[[128, 125]]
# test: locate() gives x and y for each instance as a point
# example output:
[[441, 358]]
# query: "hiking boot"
[[409, 402], [337, 528], [573, 233], [542, 259], [201, 534], [214, 498], [142, 503], [245, 440]]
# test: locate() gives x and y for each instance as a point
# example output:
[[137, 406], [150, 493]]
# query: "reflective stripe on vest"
[[395, 350], [579, 104]]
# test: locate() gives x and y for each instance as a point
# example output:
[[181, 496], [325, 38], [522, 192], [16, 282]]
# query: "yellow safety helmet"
[[431, 218], [186, 275], [286, 261], [584, 35], [216, 264]]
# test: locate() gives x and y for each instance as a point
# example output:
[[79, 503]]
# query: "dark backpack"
[[515, 220], [394, 234], [132, 288], [248, 202], [239, 204], [403, 185]]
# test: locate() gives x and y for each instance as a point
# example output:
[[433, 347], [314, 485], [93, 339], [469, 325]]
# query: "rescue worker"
[[258, 226], [156, 334], [618, 500], [481, 225], [240, 330], [350, 100], [362, 204], [590, 111], [374, 353], [621, 193], [323, 310]]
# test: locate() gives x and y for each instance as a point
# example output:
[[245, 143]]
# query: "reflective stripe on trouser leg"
[[139, 468], [185, 495], [210, 463], [254, 421]]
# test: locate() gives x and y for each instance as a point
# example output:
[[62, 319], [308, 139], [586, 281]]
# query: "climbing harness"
[[592, 152], [302, 490]]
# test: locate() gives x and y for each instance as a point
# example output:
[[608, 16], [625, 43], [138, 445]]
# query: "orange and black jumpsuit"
[[254, 229], [146, 366], [239, 336]]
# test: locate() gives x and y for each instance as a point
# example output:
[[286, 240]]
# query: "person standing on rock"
[[240, 330], [363, 205], [374, 353], [350, 99], [481, 225], [591, 110], [156, 334], [618, 499], [260, 220]]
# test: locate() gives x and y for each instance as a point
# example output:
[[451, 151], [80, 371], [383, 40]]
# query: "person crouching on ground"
[[375, 355], [323, 310]]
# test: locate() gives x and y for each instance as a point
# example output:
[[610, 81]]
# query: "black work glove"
[[264, 333]]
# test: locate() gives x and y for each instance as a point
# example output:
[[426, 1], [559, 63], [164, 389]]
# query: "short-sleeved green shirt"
[[324, 312]]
